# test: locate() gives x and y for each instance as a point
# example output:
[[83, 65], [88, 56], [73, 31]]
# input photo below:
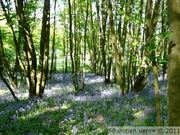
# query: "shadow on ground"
[[62, 111]]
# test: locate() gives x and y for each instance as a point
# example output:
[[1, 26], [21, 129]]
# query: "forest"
[[88, 66]]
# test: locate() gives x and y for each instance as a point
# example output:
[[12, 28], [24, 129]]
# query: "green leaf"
[[168, 34], [162, 60], [153, 47]]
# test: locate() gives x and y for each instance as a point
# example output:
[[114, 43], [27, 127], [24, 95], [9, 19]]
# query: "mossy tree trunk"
[[174, 64]]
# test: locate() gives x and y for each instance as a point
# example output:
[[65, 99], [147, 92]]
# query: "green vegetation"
[[82, 66], [57, 114]]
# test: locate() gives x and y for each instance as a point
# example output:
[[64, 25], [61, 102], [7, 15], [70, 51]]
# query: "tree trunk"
[[53, 45], [28, 48], [12, 78], [173, 65], [114, 41], [2, 67], [157, 96], [44, 50], [94, 48], [85, 42], [76, 86]]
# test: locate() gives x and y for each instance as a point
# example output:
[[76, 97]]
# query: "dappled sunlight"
[[61, 108], [65, 106], [75, 67], [91, 79], [84, 97], [139, 114], [3, 92]]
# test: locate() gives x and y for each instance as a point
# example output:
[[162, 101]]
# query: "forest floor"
[[61, 111]]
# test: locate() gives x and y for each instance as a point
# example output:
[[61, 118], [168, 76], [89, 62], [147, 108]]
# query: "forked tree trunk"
[[36, 84], [28, 48], [115, 49], [44, 50]]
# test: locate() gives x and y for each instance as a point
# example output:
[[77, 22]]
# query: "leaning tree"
[[35, 69]]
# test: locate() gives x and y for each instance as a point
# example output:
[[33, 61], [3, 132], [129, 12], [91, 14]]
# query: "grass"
[[57, 114]]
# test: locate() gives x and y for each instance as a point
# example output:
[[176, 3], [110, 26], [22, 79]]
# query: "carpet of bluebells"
[[94, 111]]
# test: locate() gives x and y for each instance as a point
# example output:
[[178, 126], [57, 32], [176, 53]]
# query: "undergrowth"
[[57, 114]]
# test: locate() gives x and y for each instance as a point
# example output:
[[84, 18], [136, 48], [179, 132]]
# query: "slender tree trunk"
[[12, 78], [9, 87], [157, 96], [164, 28], [93, 36], [114, 40], [85, 42], [71, 47], [110, 61], [53, 45], [65, 49], [2, 67], [5, 64], [44, 50], [76, 45], [103, 39], [152, 17]]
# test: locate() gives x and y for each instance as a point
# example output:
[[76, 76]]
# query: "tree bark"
[[12, 78], [114, 43], [44, 50], [173, 65], [28, 48], [2, 67], [53, 45], [85, 44], [76, 86]]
